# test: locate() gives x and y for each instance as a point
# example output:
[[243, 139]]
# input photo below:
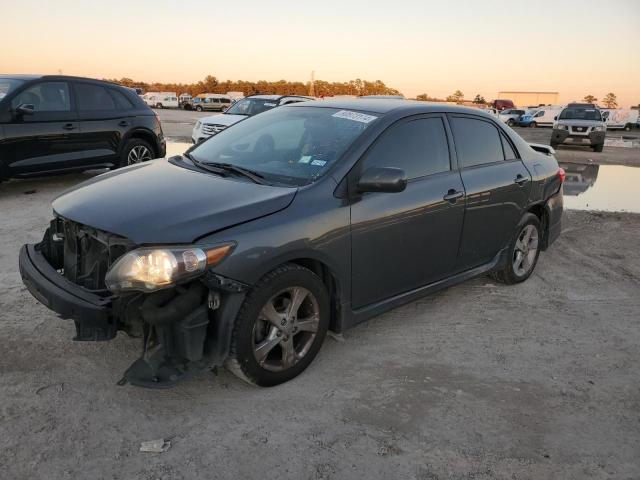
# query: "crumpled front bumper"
[[91, 313]]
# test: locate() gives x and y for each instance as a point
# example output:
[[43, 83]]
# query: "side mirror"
[[382, 179], [25, 109], [556, 117]]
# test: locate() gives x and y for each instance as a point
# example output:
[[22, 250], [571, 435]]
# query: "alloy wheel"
[[526, 250], [138, 154], [285, 329]]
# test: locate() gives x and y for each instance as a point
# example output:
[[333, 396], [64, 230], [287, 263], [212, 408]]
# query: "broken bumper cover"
[[90, 312]]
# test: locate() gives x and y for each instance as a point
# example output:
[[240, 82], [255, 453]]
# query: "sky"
[[417, 46]]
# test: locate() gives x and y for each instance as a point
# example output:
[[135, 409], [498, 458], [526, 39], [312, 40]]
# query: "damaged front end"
[[167, 295]]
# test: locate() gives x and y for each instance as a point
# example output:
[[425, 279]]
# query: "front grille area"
[[579, 129], [209, 129], [88, 253]]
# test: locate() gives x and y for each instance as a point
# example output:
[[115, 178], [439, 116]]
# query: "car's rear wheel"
[[598, 148], [524, 251], [135, 151], [510, 122], [533, 125], [280, 327], [198, 108], [553, 145], [159, 105]]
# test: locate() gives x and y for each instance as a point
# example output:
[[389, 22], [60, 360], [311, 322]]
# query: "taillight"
[[561, 174]]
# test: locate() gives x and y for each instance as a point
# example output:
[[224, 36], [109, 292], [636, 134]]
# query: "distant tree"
[[479, 99], [457, 97], [589, 99], [610, 100]]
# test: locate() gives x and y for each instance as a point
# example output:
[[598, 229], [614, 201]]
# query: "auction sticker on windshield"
[[355, 116]]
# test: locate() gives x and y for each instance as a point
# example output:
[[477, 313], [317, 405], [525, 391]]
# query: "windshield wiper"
[[245, 172]]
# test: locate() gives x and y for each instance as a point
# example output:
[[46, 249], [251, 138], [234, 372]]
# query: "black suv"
[[56, 123]]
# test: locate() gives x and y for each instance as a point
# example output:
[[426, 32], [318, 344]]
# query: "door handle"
[[69, 126], [453, 195], [124, 123], [520, 180]]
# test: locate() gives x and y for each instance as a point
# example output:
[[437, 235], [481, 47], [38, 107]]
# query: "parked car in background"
[[56, 123], [620, 118], [502, 104], [213, 102], [161, 99], [245, 250], [511, 116], [240, 110], [185, 101], [579, 124], [542, 117]]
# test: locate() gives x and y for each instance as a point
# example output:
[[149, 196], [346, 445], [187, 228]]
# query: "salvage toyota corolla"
[[245, 250]]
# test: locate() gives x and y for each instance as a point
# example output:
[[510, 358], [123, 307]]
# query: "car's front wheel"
[[135, 151], [280, 327], [523, 252], [198, 108], [511, 122], [598, 148], [533, 125]]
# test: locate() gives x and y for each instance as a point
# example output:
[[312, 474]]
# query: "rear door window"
[[509, 152], [93, 98], [477, 142], [419, 147]]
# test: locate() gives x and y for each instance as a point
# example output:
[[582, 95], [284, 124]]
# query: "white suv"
[[244, 108]]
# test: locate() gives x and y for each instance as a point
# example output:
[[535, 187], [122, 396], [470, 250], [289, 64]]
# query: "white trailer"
[[161, 99], [620, 118]]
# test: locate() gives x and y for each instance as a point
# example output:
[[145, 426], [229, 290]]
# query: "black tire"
[[242, 360], [159, 105], [198, 108], [509, 275], [510, 122], [598, 148], [533, 125], [627, 128], [553, 145], [136, 144]]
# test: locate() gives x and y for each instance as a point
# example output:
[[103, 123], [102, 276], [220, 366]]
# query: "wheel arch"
[[541, 210], [142, 134]]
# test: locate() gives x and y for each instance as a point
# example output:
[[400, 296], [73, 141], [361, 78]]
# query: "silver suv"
[[579, 124]]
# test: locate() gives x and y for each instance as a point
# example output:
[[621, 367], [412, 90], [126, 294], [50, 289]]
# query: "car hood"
[[158, 202], [223, 119]]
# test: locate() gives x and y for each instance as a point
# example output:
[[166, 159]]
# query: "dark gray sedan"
[[245, 250]]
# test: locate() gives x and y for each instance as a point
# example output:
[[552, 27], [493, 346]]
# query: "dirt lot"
[[482, 381]]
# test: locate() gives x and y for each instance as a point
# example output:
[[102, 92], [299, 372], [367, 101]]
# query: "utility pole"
[[312, 89]]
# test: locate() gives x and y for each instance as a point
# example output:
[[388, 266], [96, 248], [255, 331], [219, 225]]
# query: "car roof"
[[276, 97], [30, 77], [384, 106]]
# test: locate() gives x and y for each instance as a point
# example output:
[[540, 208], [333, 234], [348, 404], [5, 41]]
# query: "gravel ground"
[[482, 381]]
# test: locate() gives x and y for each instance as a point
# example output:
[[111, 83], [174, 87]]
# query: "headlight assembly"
[[152, 268], [561, 127], [598, 129]]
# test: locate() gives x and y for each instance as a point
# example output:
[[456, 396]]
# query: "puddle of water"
[[610, 188]]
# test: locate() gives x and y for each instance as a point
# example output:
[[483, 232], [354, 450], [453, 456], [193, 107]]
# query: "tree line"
[[211, 84]]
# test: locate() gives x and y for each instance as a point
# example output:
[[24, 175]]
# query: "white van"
[[620, 118], [541, 117], [161, 99]]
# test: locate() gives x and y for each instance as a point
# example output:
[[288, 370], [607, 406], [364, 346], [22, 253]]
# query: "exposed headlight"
[[561, 127], [598, 129], [150, 269]]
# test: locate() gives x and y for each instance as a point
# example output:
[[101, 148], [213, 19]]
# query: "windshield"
[[7, 85], [252, 106], [578, 113], [288, 145]]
